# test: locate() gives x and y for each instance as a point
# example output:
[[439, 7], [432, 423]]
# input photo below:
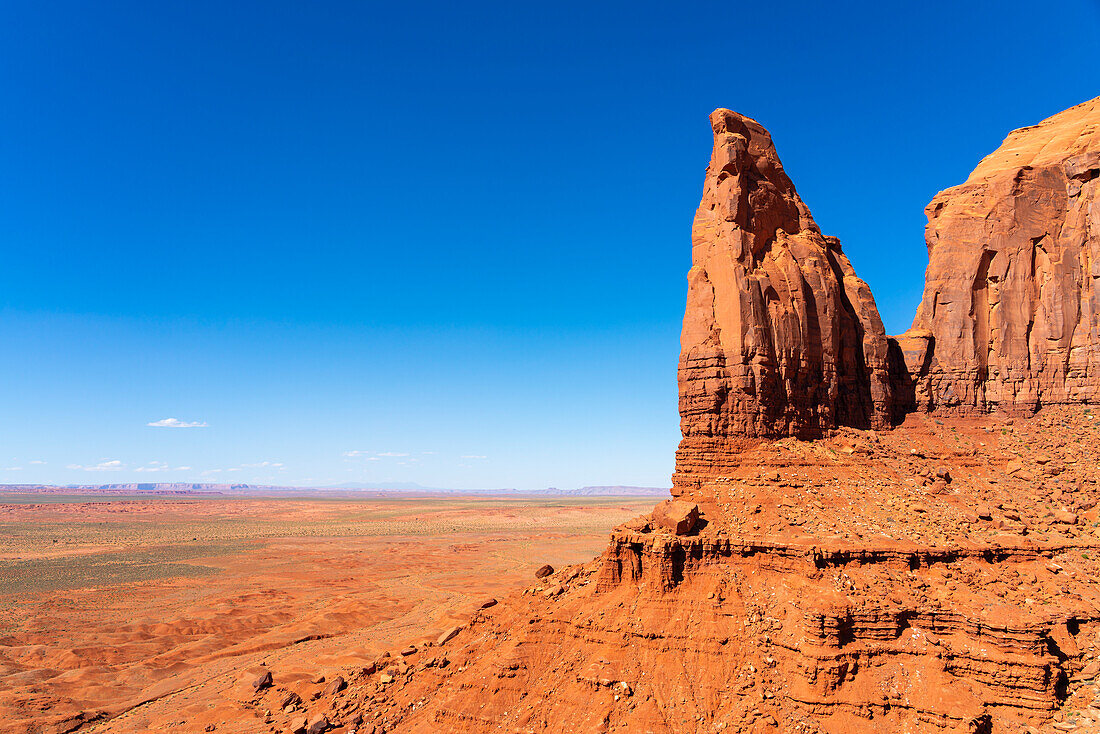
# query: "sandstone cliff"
[[1010, 317]]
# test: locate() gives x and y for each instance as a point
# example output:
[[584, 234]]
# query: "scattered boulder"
[[544, 571], [298, 725], [488, 603], [318, 724], [1065, 517], [263, 681], [448, 635], [290, 699], [677, 516], [338, 684]]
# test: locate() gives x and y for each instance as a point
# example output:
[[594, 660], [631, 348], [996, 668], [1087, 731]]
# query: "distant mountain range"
[[184, 488]]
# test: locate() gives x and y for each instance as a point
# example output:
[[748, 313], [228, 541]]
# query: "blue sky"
[[441, 243]]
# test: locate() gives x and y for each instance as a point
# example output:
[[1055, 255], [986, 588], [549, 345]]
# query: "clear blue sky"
[[442, 243]]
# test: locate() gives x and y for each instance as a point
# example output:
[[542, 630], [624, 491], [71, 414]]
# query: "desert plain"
[[157, 614]]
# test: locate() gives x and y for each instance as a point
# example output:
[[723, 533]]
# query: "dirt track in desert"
[[154, 614]]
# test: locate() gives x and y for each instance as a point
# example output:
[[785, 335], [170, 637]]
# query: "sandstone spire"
[[1010, 317], [780, 338]]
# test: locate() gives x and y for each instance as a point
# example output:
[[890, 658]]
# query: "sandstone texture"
[[1010, 317], [780, 338]]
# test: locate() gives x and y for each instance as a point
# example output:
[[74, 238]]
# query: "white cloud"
[[105, 465], [12, 468], [160, 466], [472, 456], [208, 472], [36, 461], [177, 423], [371, 456], [261, 464]]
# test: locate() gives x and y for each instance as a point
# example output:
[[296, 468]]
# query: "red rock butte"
[[1009, 318], [870, 534]]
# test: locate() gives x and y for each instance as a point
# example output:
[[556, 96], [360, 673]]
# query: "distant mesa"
[[347, 489]]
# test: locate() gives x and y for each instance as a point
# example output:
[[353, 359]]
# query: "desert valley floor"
[[138, 614]]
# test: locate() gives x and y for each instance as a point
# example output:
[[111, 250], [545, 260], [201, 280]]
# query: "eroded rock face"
[[1010, 317], [780, 338]]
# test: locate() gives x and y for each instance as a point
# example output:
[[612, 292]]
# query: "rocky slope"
[[938, 575], [1010, 317]]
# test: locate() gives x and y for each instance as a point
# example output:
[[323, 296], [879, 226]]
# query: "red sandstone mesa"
[[1010, 317]]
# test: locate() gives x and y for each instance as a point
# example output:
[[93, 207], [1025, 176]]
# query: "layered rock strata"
[[1010, 317], [924, 579]]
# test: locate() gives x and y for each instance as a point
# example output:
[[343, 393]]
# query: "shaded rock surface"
[[1010, 317]]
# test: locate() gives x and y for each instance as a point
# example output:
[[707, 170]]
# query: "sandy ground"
[[155, 615]]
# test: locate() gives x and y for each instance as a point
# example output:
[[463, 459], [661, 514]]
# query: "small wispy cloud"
[[177, 423], [474, 456], [263, 464], [36, 461], [372, 456], [12, 468], [105, 465], [157, 466]]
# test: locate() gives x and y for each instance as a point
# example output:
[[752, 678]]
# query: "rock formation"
[[1010, 317], [780, 337], [940, 576]]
